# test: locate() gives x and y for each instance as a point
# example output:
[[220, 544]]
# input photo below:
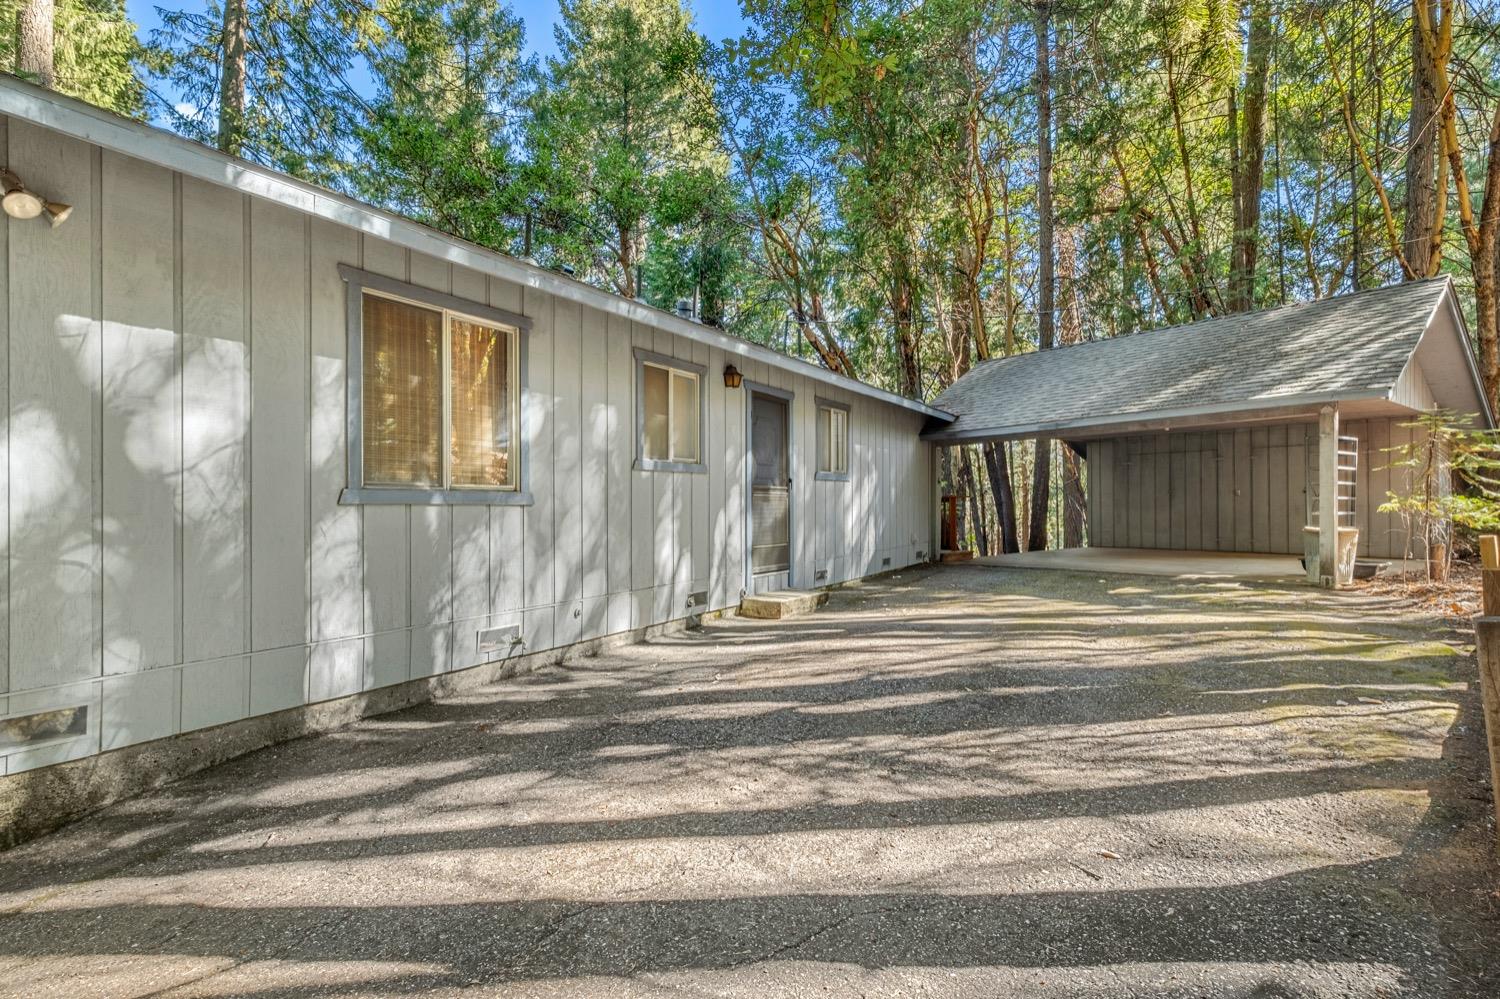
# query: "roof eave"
[[153, 145], [1062, 428]]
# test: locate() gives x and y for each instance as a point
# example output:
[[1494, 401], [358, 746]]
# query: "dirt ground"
[[959, 781]]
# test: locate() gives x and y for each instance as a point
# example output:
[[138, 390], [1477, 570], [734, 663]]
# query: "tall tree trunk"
[[1249, 149], [34, 42], [1070, 331], [1479, 231], [1486, 267], [971, 488], [232, 77], [1495, 283], [1036, 534], [908, 343], [1421, 157], [1356, 236], [1075, 504], [997, 465]]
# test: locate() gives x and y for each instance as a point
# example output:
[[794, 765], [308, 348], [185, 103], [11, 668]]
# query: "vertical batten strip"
[[247, 247], [5, 477], [179, 585], [96, 410]]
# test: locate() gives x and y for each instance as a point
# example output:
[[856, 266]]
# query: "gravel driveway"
[[958, 781]]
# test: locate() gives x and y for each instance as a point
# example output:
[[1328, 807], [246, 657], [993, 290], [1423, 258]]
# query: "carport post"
[[1328, 495], [935, 546]]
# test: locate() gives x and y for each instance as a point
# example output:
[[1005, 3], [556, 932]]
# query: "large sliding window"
[[435, 399]]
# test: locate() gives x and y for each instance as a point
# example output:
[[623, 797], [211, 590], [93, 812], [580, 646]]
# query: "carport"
[[1221, 436]]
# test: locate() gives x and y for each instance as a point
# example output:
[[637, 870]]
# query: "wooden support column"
[[935, 548], [1489, 556], [1328, 495]]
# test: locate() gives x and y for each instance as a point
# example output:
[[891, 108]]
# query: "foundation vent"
[[44, 726], [499, 639]]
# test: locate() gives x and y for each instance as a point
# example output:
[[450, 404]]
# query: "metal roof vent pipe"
[[685, 308]]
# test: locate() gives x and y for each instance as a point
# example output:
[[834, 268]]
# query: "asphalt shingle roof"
[[1352, 346]]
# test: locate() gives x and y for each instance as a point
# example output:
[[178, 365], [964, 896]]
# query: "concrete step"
[[782, 603]]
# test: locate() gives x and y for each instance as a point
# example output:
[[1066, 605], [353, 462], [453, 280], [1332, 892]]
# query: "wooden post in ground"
[[1487, 651], [1489, 555], [1487, 648]]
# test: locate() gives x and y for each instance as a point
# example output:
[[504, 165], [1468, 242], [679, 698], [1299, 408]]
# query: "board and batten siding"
[[176, 556], [1241, 490]]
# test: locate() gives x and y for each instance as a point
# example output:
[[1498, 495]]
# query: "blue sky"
[[716, 20]]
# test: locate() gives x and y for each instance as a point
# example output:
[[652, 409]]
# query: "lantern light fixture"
[[732, 376]]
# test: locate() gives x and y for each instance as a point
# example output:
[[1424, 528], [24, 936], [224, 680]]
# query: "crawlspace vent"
[[43, 726], [499, 639]]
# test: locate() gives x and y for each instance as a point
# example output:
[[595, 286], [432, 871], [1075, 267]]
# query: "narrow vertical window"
[[483, 427], [833, 440], [684, 417], [656, 413], [403, 396]]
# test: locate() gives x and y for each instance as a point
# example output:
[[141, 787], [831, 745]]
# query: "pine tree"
[[439, 144], [624, 120], [268, 79], [83, 48]]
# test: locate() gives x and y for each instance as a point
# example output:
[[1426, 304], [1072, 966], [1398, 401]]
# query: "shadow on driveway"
[[957, 782]]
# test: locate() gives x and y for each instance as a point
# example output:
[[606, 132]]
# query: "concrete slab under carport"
[[1153, 562]]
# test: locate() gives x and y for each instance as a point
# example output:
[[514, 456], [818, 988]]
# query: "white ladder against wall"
[[1347, 481], [1348, 475]]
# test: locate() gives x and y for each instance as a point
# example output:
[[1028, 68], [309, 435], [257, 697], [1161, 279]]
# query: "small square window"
[[833, 440], [670, 414]]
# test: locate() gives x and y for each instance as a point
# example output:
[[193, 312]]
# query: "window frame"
[[643, 358], [828, 476], [358, 283]]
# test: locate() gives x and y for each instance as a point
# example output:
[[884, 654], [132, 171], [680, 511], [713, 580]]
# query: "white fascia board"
[[154, 145]]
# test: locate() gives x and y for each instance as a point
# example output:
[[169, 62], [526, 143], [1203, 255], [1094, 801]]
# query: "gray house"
[[1221, 435], [274, 458]]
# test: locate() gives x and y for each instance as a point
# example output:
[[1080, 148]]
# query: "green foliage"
[[621, 127], [1428, 503], [96, 55], [300, 108], [855, 179], [438, 141]]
